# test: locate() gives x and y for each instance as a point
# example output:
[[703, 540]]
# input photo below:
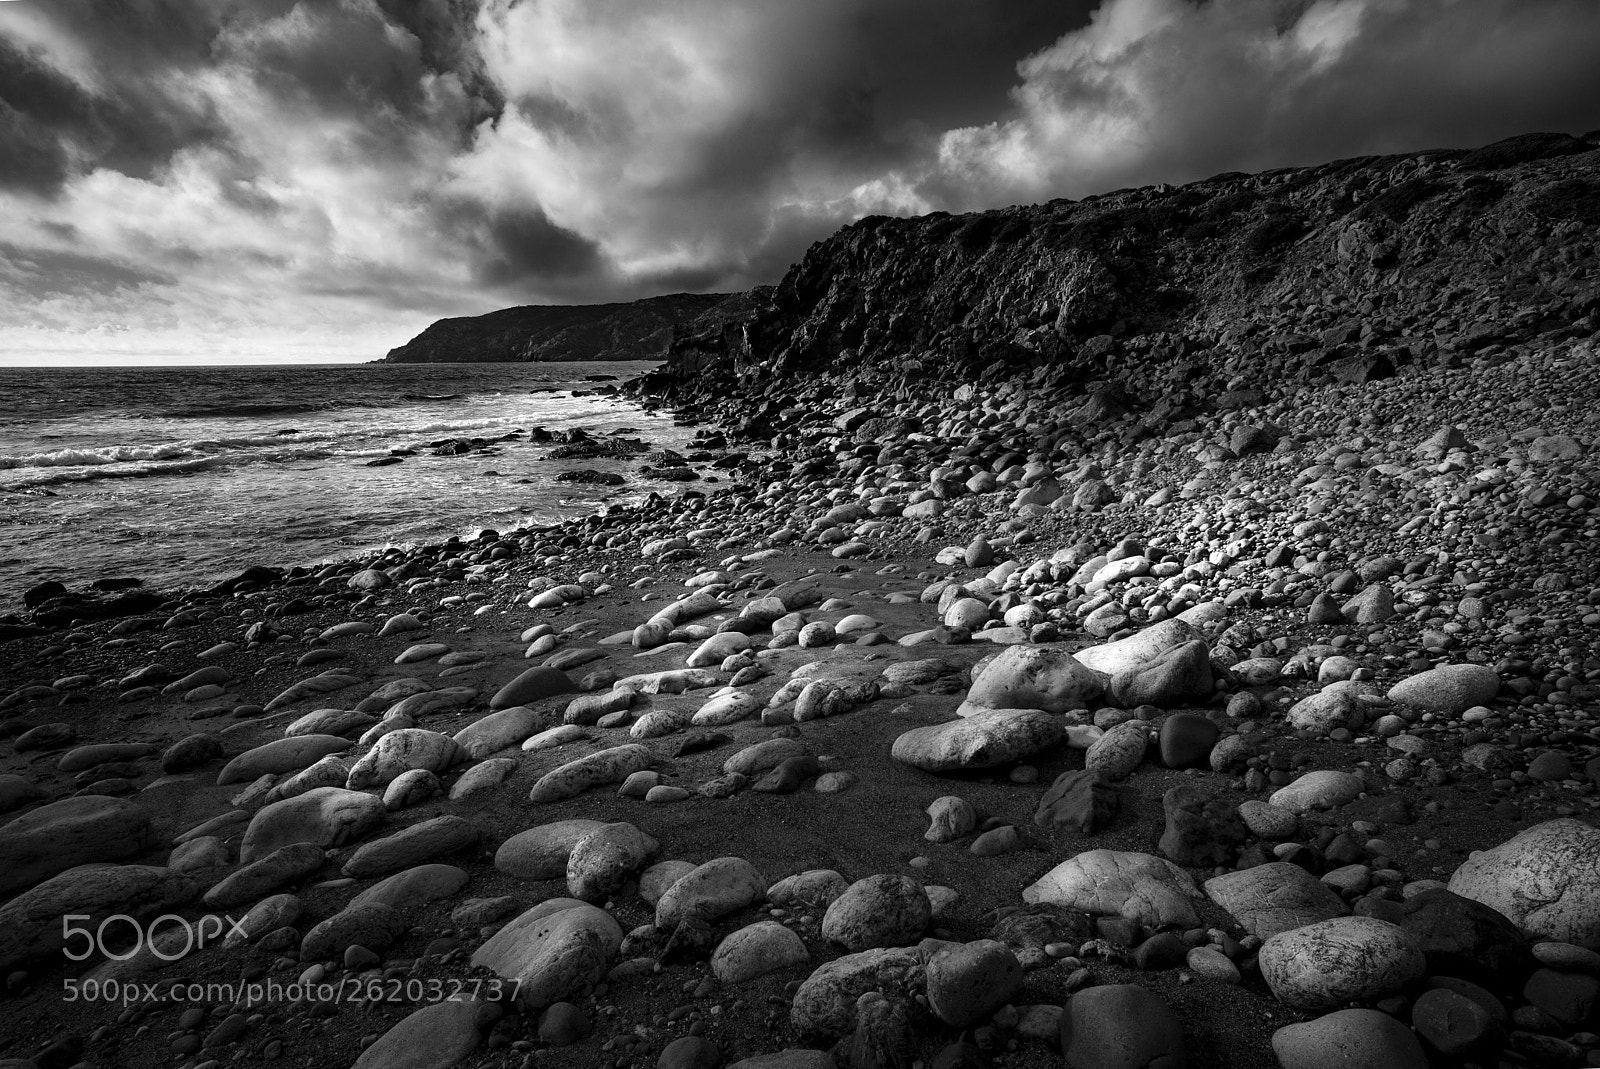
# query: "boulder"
[[709, 892], [80, 830], [435, 1037], [878, 911], [541, 853], [1176, 676], [1336, 705], [968, 982], [1338, 961], [825, 1003], [1119, 751], [1137, 650], [289, 864], [1545, 879], [401, 751], [31, 924], [280, 756], [417, 885], [1275, 897], [756, 950], [1033, 677], [1449, 689], [531, 686], [605, 766], [1349, 1039], [1144, 888], [1079, 802], [490, 734], [602, 862], [326, 816], [814, 889], [1322, 789], [1200, 831], [420, 842], [982, 739], [559, 950], [1121, 1026], [1465, 938]]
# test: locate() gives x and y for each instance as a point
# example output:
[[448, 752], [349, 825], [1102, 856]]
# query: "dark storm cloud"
[[43, 274], [48, 121], [333, 161], [522, 247]]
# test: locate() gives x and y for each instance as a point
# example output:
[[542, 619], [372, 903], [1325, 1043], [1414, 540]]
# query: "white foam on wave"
[[112, 454], [132, 470]]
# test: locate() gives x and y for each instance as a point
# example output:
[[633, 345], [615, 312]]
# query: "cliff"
[[1347, 271], [635, 330]]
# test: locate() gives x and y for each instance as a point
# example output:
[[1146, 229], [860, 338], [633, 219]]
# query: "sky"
[[211, 180]]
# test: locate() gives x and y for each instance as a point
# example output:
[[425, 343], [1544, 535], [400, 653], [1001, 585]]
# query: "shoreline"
[[330, 453], [830, 513]]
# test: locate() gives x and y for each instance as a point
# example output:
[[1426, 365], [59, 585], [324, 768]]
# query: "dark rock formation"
[[636, 330], [1179, 296]]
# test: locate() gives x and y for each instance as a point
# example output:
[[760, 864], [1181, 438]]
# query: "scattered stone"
[[1545, 879], [1143, 888], [1121, 1026], [982, 739], [1337, 961], [878, 911], [968, 982], [756, 950], [73, 831], [1273, 898], [1078, 802], [1349, 1039]]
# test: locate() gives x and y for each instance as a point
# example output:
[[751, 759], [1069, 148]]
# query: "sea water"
[[184, 476]]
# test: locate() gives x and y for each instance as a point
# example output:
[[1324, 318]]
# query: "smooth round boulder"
[[1119, 751], [541, 853], [531, 686], [1340, 960], [602, 862], [1545, 879], [1033, 677], [559, 949], [1322, 789], [1121, 1026], [326, 816], [709, 892], [73, 831], [756, 950], [968, 982], [1449, 689], [983, 739], [402, 751], [1349, 1039], [878, 911], [279, 756]]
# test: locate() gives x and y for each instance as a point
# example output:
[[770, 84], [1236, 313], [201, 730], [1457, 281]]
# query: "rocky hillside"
[[636, 330], [1347, 271]]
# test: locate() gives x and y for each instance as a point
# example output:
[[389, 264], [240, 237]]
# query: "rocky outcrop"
[[1175, 299], [635, 330]]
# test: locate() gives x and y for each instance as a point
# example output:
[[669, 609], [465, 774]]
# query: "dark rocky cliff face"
[[1347, 271], [637, 330]]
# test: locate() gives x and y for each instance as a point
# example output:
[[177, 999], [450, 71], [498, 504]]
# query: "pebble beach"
[[1053, 749]]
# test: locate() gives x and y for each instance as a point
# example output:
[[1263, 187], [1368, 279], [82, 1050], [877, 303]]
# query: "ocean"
[[184, 476]]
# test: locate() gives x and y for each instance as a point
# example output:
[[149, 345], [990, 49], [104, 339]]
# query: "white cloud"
[[1173, 90]]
